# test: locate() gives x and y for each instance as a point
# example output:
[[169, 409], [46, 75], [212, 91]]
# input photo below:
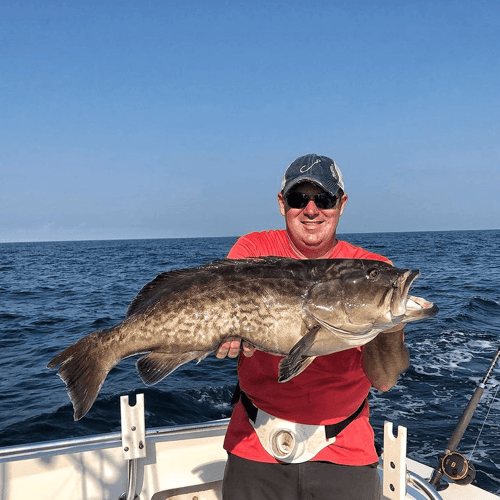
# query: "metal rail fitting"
[[133, 441]]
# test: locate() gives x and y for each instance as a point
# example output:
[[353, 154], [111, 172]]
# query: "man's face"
[[310, 229]]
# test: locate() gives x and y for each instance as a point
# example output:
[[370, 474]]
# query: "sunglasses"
[[300, 200]]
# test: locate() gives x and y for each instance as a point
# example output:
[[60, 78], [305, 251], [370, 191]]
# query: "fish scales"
[[296, 309], [242, 307]]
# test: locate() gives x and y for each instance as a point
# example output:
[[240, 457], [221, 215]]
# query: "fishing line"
[[484, 422], [429, 275]]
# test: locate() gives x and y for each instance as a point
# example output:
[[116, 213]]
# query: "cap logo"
[[337, 174], [305, 168]]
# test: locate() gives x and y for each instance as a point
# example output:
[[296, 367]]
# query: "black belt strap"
[[331, 430]]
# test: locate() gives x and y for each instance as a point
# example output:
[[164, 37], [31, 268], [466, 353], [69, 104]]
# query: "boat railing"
[[88, 443], [423, 485]]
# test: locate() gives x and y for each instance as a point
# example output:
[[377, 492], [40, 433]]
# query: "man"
[[329, 397]]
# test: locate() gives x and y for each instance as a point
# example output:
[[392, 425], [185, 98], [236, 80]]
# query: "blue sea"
[[54, 293]]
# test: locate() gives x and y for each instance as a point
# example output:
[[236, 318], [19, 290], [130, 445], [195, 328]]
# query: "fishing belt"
[[289, 441]]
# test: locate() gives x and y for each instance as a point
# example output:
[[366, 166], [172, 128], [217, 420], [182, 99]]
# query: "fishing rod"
[[452, 463]]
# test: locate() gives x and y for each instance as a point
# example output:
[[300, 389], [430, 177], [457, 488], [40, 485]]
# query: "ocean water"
[[52, 294]]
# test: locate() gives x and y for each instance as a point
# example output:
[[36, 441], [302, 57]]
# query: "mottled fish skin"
[[281, 306]]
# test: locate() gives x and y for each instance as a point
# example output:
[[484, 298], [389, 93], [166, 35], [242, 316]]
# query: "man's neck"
[[321, 252]]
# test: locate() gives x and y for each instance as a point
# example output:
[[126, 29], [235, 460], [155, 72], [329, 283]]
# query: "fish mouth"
[[401, 288], [418, 308]]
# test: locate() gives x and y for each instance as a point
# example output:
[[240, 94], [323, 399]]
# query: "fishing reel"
[[456, 467]]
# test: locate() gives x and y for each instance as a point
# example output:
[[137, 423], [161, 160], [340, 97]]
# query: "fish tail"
[[83, 368]]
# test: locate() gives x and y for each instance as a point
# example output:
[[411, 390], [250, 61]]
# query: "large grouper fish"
[[298, 309]]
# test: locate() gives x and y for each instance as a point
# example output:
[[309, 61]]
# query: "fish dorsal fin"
[[163, 284], [298, 358], [176, 281]]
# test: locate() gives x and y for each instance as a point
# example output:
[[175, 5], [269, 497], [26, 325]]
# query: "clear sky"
[[152, 119]]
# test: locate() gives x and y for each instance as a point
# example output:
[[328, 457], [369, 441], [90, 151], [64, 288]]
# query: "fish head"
[[367, 295]]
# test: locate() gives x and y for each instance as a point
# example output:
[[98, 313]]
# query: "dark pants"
[[249, 480]]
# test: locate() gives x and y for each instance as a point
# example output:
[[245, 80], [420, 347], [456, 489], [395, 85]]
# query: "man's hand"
[[232, 349]]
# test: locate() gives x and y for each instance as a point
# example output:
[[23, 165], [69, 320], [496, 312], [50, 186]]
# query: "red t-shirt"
[[331, 388]]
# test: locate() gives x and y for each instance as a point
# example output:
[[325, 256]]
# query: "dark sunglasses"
[[300, 200]]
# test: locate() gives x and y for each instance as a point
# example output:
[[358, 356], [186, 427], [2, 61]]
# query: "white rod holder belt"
[[133, 440], [394, 476]]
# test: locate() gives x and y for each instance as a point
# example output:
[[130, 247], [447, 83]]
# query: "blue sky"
[[177, 118]]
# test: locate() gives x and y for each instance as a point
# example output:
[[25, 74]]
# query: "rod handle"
[[465, 420]]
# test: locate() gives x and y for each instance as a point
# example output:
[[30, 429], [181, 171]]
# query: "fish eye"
[[373, 273]]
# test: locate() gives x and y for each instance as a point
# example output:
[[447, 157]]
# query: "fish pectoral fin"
[[298, 359], [157, 365], [289, 368]]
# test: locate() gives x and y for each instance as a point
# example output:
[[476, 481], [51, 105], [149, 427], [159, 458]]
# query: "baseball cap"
[[320, 170]]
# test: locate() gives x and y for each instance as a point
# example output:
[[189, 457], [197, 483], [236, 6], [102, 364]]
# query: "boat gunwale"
[[101, 441]]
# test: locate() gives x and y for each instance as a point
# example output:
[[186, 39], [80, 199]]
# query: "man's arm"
[[385, 358]]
